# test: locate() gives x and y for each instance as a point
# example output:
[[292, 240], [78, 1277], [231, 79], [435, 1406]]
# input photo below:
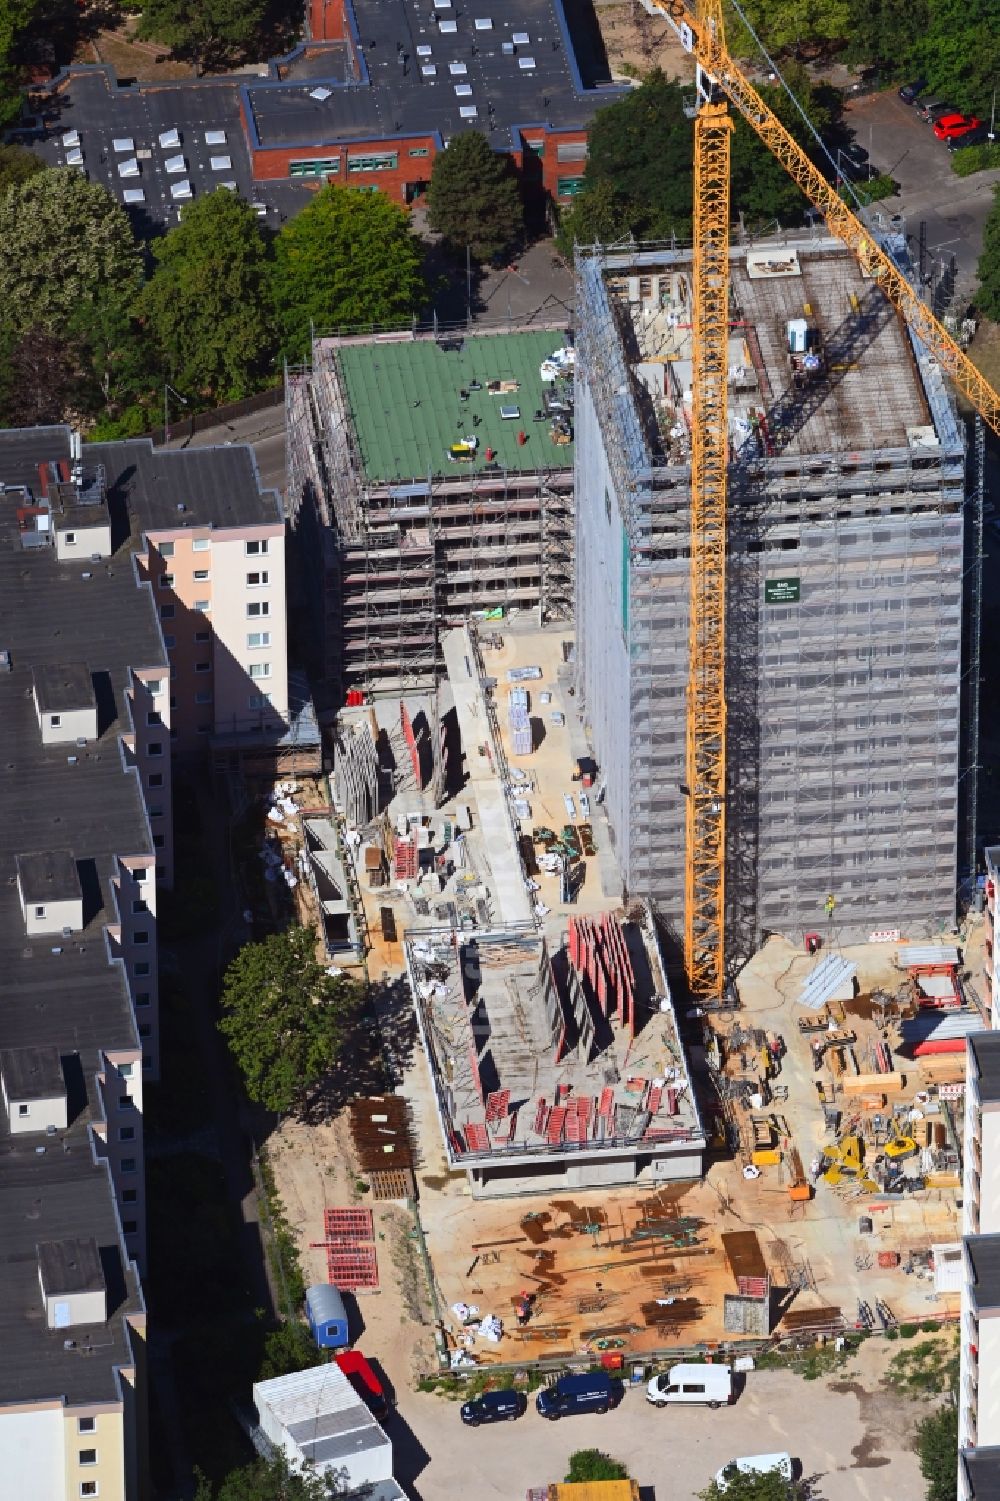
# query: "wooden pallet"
[[392, 1183]]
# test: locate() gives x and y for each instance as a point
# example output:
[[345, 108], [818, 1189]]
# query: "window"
[[39, 911], [86, 1425], [258, 607], [166, 581], [139, 874], [126, 1133], [382, 161], [203, 667], [571, 151], [70, 539], [145, 1030], [419, 151], [128, 1164], [142, 998], [166, 612], [156, 812], [23, 1110], [141, 937], [537, 148], [129, 1195], [89, 1488], [126, 1102], [161, 870], [320, 166], [203, 698], [155, 779], [155, 686], [260, 669], [257, 580], [204, 729], [158, 843], [55, 720], [201, 605], [170, 642], [155, 748], [88, 1456], [153, 718], [257, 639], [131, 1227], [201, 574], [203, 636], [255, 548], [568, 187], [166, 549], [141, 970], [201, 544], [173, 700], [138, 905]]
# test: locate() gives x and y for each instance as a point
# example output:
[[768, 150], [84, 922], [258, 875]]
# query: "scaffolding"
[[390, 562], [845, 595]]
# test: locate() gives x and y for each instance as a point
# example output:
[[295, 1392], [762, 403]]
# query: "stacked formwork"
[[844, 641], [390, 565]]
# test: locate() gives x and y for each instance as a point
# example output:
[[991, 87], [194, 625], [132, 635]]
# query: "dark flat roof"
[[32, 1073], [63, 685], [166, 489], [557, 77], [985, 1049], [61, 1194], [52, 876], [982, 1469], [984, 1256], [90, 100], [72, 1265]]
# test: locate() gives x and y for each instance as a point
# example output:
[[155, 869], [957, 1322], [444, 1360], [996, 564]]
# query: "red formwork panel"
[[348, 1224], [574, 1127], [496, 1105], [607, 1105], [557, 1120], [655, 1096], [477, 1137], [352, 1267], [541, 1116]]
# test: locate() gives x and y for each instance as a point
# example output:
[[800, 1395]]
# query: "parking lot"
[[849, 1434], [953, 208]]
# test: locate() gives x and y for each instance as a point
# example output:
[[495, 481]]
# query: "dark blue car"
[[493, 1407]]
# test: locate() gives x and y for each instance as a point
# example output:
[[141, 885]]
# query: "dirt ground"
[[134, 60], [636, 43]]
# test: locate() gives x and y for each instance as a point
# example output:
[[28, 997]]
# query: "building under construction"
[[430, 476], [844, 632]]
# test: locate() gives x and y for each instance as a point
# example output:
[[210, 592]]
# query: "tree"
[[288, 1348], [16, 17], [348, 258], [207, 304], [937, 1449], [16, 166], [213, 33], [473, 198], [988, 270], [767, 1487], [594, 1464], [791, 23], [42, 378], [64, 244], [959, 51], [269, 1480], [284, 1017]]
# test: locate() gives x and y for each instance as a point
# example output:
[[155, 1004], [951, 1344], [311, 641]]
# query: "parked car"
[[692, 1385], [755, 1464], [908, 93], [971, 138], [926, 105], [592, 1391], [364, 1381], [493, 1407], [950, 126], [938, 112]]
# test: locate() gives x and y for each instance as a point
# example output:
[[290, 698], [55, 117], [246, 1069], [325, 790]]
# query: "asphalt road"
[[954, 209], [264, 431]]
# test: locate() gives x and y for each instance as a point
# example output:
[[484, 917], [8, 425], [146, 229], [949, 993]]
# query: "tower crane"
[[720, 79]]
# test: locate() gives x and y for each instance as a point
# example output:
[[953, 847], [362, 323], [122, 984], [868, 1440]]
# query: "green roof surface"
[[407, 411]]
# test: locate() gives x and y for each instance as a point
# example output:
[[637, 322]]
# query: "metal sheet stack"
[[520, 723]]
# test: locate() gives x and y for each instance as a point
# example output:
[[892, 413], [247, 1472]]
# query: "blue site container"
[[327, 1316]]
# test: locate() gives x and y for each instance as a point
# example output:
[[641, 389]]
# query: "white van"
[[709, 1385], [755, 1464]]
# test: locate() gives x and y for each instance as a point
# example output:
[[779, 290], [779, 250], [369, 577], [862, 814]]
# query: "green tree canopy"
[[285, 1018], [207, 303], [348, 258], [268, 1480], [937, 1449], [769, 1487], [594, 1464], [16, 18], [288, 1348], [988, 269], [65, 244], [639, 178], [959, 51], [782, 24], [473, 198], [211, 32], [16, 165]]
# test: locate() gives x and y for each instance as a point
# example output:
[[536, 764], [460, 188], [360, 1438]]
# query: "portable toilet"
[[327, 1316]]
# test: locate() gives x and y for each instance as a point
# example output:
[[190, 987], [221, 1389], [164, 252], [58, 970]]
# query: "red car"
[[950, 126]]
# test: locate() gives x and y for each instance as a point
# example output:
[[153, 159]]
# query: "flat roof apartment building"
[[979, 1373], [845, 589]]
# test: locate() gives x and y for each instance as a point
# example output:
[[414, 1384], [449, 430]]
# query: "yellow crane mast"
[[702, 34]]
